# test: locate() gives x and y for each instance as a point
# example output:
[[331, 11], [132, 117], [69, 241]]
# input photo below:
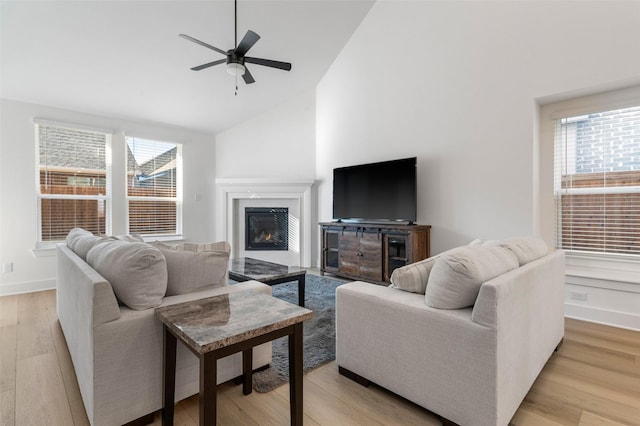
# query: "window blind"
[[153, 187], [597, 182], [73, 180]]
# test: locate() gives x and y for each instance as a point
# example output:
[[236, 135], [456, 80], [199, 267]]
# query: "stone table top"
[[261, 270], [219, 321]]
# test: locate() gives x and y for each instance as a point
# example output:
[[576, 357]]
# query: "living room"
[[460, 85]]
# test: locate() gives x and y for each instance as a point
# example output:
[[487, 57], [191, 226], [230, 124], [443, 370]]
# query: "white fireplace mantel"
[[231, 190]]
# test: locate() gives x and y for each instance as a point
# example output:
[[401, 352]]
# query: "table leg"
[[208, 382], [301, 281], [169, 343], [295, 375], [247, 371]]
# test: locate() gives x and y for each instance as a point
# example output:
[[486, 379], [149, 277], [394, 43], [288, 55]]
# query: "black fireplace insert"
[[266, 228]]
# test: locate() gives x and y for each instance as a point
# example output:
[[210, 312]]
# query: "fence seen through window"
[[73, 180], [153, 188]]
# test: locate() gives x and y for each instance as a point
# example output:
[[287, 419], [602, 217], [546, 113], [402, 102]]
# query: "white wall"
[[277, 144], [36, 270], [456, 84]]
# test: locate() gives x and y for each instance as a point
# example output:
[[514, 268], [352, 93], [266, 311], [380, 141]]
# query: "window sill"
[[623, 269], [45, 249]]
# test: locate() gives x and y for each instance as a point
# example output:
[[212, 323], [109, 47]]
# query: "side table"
[[219, 326]]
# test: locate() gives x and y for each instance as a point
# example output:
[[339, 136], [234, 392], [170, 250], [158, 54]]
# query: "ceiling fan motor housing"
[[233, 58]]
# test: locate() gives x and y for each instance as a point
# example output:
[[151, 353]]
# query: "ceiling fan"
[[235, 58]]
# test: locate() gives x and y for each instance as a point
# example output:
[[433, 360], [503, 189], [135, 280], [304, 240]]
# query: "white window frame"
[[178, 199], [607, 267], [107, 198]]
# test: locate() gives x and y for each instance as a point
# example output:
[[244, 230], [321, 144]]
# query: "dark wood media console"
[[370, 252]]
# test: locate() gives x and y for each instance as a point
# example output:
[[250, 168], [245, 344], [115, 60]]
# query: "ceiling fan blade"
[[209, 64], [248, 78], [269, 63], [249, 39], [202, 43]]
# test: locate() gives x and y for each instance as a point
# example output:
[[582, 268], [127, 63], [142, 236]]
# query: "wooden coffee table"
[[219, 326], [247, 268]]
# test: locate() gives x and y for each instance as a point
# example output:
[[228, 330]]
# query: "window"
[[597, 182], [73, 180], [154, 187]]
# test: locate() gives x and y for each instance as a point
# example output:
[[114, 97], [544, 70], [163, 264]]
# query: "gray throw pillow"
[[193, 267], [413, 277], [80, 241], [137, 271], [456, 277]]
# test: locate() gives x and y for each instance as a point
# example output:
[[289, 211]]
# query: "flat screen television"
[[376, 192]]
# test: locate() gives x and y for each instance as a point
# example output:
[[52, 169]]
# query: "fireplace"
[[266, 228]]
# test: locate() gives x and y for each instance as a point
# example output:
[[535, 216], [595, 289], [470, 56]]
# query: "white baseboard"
[[27, 287], [603, 316]]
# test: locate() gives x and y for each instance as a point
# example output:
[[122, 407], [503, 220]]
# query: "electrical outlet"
[[7, 267], [578, 295]]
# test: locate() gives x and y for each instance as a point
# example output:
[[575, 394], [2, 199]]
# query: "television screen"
[[383, 191]]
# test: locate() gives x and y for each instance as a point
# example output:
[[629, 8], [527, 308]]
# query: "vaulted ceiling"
[[125, 59]]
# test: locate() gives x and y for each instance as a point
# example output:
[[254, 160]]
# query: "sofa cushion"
[[137, 271], [194, 267], [526, 249], [456, 276], [80, 241], [202, 247]]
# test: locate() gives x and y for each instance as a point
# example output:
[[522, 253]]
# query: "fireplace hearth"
[[266, 228]]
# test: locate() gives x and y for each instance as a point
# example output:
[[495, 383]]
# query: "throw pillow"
[[526, 249], [132, 238], [413, 277], [193, 267], [456, 277], [137, 271], [80, 241]]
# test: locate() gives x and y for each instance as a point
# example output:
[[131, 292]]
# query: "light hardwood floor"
[[594, 379]]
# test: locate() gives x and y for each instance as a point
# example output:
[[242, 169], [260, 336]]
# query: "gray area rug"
[[319, 341]]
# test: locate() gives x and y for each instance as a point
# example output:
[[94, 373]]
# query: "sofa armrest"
[[526, 307], [536, 289], [81, 292], [84, 300]]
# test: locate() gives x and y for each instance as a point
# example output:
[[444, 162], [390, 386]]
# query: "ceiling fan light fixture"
[[235, 69]]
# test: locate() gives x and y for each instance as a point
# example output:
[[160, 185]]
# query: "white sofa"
[[117, 351], [472, 365]]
